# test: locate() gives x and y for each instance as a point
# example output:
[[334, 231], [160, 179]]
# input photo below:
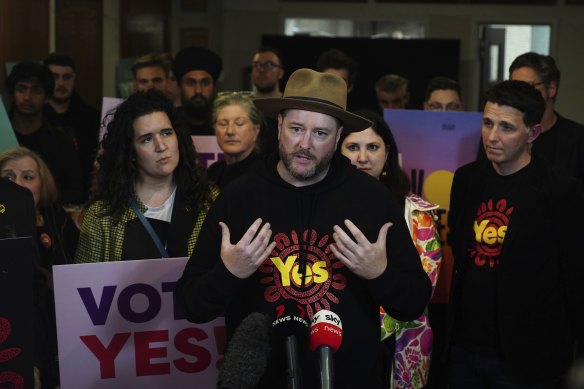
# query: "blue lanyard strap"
[[149, 228]]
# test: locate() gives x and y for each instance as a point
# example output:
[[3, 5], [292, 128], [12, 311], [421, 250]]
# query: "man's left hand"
[[365, 259]]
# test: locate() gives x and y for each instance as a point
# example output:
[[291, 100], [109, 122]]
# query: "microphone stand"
[[292, 370], [325, 359]]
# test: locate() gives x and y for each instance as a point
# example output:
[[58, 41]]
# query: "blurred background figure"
[[237, 127], [30, 85], [392, 92], [56, 238], [266, 72], [197, 71], [334, 61], [171, 85], [443, 94], [151, 71], [56, 233], [67, 110]]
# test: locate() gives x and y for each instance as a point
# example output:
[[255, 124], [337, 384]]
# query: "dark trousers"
[[471, 370]]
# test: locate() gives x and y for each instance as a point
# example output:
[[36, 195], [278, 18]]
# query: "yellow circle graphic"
[[437, 188]]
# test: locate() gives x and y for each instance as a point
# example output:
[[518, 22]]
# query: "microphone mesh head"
[[247, 353]]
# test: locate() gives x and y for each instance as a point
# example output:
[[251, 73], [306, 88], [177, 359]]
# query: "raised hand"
[[243, 258], [365, 259]]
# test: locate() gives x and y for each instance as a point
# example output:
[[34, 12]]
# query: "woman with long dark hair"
[[375, 152]]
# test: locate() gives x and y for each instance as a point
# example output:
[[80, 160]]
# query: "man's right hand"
[[243, 258]]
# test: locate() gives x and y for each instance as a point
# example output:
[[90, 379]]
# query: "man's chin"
[[61, 99], [265, 88]]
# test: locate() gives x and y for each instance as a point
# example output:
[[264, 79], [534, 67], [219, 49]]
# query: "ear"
[[426, 106], [280, 73], [339, 132], [280, 121], [135, 85], [552, 89], [534, 133], [256, 129]]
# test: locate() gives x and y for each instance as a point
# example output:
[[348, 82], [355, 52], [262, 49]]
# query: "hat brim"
[[271, 107]]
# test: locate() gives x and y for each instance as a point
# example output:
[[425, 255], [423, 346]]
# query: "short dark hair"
[[270, 49], [442, 83], [336, 59], [392, 83], [520, 95], [59, 59], [31, 71], [544, 65]]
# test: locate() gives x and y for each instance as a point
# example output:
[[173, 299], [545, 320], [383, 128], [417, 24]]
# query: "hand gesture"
[[243, 258], [365, 259]]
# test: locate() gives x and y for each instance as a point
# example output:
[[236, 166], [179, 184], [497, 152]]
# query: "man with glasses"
[[562, 140], [443, 94], [266, 72]]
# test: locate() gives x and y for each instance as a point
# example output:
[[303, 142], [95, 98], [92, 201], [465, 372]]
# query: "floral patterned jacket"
[[413, 339]]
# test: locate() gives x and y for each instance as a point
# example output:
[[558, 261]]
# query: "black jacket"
[[302, 219], [539, 285]]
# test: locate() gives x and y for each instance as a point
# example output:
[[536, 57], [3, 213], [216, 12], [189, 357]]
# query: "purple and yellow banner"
[[432, 146], [119, 326]]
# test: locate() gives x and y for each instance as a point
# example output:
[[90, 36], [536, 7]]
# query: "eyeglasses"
[[268, 65], [451, 107], [244, 93]]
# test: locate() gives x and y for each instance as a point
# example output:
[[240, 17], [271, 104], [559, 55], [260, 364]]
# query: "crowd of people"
[[308, 203]]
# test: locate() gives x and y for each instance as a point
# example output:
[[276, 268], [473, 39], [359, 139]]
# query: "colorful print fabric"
[[413, 339]]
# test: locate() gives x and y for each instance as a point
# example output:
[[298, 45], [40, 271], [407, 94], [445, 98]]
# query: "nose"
[[230, 129], [492, 134], [305, 140], [159, 144], [19, 181], [362, 156]]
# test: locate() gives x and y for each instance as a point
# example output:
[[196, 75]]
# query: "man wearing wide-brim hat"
[[306, 228]]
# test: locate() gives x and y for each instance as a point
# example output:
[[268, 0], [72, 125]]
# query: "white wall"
[[236, 26]]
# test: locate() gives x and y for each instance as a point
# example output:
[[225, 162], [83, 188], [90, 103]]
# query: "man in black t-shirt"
[[517, 295]]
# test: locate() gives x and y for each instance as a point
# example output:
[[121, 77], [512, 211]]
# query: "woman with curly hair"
[[374, 151], [152, 195]]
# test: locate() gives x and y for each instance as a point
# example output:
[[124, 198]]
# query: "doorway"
[[500, 44]]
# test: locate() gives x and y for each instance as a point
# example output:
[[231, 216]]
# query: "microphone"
[[290, 323], [246, 356], [326, 334]]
